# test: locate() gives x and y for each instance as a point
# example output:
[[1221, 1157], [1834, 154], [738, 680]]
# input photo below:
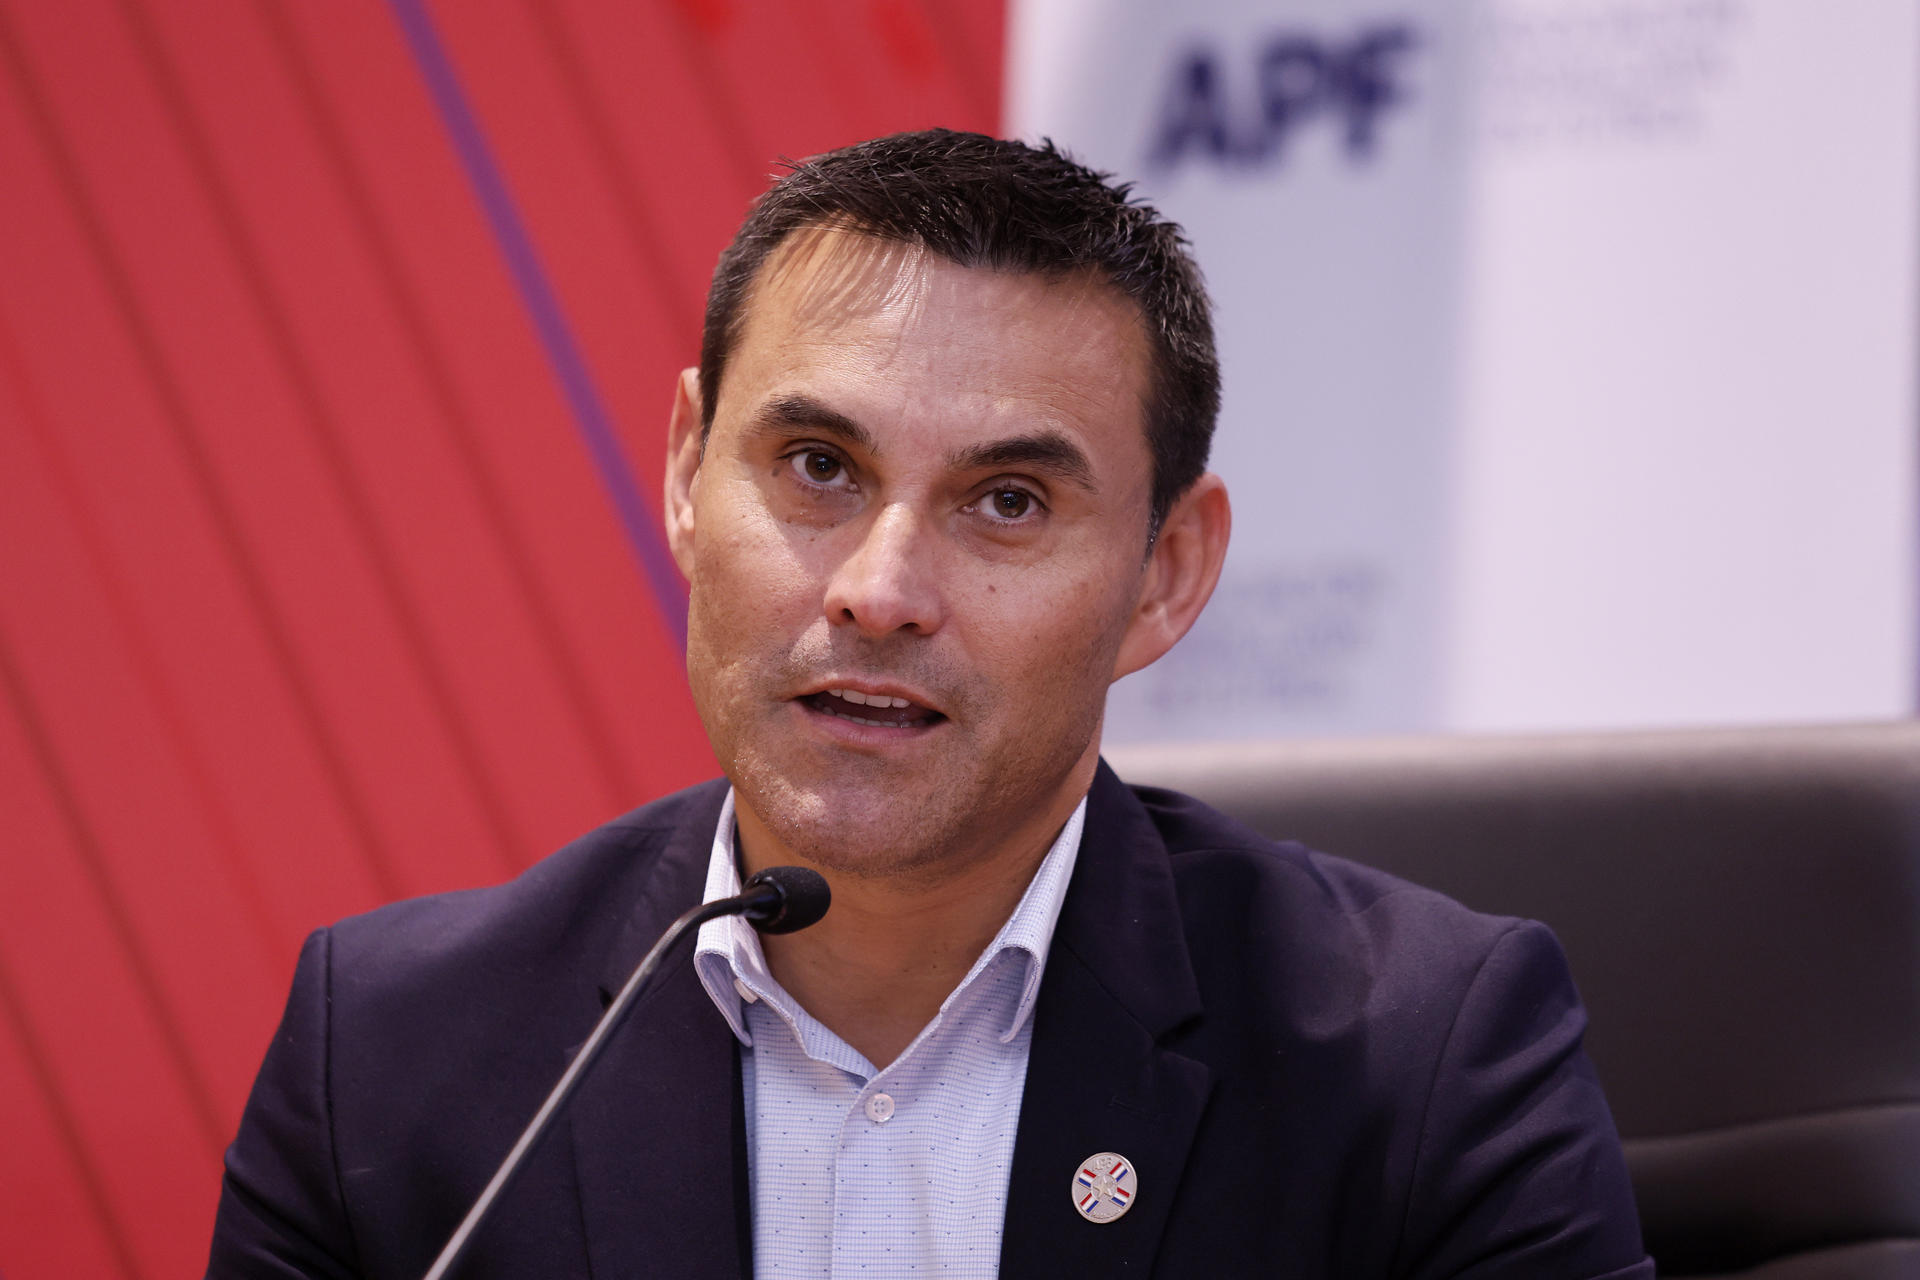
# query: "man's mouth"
[[882, 711]]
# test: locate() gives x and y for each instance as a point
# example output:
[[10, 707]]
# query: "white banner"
[[1569, 350]]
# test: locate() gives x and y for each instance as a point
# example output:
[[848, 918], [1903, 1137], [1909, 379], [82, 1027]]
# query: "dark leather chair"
[[1742, 912]]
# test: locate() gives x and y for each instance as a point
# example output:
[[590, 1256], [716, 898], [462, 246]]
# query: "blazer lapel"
[[659, 1138], [1118, 980]]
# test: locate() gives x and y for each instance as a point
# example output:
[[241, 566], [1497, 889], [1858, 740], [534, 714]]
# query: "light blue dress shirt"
[[857, 1171]]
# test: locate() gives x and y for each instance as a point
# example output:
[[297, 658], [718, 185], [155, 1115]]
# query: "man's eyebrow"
[[787, 414], [1049, 452]]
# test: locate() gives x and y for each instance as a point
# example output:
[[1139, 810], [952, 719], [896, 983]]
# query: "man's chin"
[[876, 826], [866, 829]]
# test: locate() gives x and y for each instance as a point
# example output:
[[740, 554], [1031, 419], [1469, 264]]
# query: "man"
[[938, 481]]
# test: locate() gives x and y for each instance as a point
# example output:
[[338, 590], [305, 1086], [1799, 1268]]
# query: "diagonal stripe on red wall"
[[313, 590]]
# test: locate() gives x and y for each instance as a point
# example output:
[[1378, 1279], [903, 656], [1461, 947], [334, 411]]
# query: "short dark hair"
[[988, 202]]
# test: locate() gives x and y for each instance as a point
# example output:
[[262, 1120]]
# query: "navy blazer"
[[1316, 1070]]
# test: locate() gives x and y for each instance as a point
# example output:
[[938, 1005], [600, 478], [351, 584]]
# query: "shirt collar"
[[733, 968]]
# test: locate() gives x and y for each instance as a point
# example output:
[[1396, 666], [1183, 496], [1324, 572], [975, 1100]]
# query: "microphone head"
[[799, 898]]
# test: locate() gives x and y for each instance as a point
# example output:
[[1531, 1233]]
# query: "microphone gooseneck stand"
[[777, 900]]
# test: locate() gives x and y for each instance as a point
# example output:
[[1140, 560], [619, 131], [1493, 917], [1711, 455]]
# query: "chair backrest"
[[1742, 912]]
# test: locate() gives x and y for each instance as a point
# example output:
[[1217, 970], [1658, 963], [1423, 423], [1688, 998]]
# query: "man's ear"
[[1181, 572], [683, 465]]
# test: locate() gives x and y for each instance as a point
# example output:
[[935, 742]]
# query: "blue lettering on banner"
[[1297, 79]]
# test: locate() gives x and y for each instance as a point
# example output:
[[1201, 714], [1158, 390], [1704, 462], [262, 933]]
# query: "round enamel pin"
[[1104, 1187]]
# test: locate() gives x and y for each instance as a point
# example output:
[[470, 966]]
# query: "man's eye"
[[1010, 504], [817, 467]]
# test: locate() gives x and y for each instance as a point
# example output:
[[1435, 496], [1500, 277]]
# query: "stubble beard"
[[919, 828], [857, 815]]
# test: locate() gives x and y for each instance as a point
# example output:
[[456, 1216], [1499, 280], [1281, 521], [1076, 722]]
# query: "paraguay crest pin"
[[1104, 1187]]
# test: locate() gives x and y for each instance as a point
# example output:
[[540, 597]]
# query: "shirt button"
[[880, 1108]]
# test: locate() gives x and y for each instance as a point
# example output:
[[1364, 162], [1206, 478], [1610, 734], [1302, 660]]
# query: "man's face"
[[915, 541]]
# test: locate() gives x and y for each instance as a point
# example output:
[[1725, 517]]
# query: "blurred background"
[[1570, 383]]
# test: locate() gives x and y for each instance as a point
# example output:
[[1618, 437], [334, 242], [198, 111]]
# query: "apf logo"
[[1298, 78]]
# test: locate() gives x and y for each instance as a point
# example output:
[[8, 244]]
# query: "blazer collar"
[[1118, 982], [1122, 916], [659, 1134], [679, 878]]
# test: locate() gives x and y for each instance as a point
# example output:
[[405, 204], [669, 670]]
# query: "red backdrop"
[[336, 343]]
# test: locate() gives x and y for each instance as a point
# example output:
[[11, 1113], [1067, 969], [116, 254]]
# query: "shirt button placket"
[[851, 1193]]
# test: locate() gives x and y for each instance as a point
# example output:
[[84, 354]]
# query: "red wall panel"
[[336, 342]]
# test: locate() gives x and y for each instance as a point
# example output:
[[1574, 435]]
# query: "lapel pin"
[[1104, 1187]]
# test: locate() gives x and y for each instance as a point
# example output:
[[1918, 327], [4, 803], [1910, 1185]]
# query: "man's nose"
[[888, 581]]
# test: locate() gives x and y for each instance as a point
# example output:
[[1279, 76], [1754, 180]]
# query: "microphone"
[[777, 900], [785, 899]]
